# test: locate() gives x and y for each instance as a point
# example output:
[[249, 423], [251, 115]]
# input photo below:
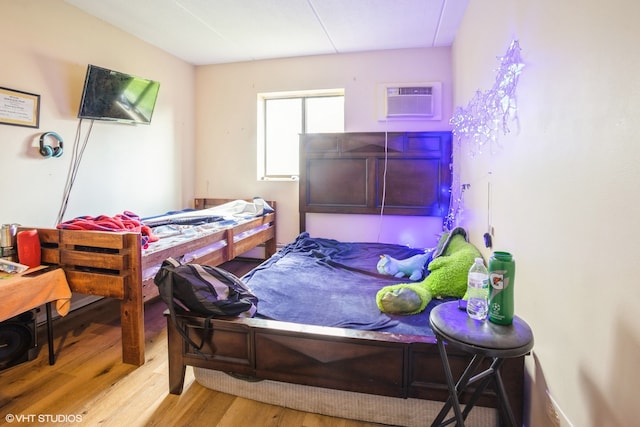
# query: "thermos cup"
[[502, 270], [29, 248]]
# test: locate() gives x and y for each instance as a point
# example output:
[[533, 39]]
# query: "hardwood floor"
[[90, 386]]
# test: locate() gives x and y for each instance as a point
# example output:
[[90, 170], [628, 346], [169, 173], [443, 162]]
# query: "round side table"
[[482, 339]]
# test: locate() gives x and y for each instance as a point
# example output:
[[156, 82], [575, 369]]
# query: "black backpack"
[[203, 290]]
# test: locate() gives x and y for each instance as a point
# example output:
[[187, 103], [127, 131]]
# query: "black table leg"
[[467, 378], [52, 356], [486, 376], [452, 401], [504, 399]]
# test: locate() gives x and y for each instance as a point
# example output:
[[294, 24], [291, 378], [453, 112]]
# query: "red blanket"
[[127, 221]]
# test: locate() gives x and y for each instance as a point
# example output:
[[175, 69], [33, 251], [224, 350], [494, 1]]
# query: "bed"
[[385, 369], [118, 264]]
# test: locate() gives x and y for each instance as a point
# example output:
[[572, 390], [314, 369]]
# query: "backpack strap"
[[166, 293], [242, 289]]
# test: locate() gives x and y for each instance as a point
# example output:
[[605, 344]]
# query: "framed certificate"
[[19, 108]]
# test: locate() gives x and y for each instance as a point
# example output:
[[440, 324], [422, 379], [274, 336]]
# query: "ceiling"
[[221, 31]]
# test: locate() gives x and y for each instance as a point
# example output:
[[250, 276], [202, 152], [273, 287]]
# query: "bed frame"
[[343, 173], [111, 264]]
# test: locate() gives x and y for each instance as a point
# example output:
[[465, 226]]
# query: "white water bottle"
[[477, 290]]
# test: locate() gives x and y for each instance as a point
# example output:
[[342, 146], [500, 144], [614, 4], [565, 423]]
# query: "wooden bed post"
[[271, 245], [177, 367], [229, 250], [132, 306]]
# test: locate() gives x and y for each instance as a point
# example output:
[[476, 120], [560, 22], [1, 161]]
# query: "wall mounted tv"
[[117, 97]]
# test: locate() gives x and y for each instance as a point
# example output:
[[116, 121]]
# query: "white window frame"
[[261, 120]]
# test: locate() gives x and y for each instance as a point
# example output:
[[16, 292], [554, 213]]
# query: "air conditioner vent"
[[416, 90], [410, 101]]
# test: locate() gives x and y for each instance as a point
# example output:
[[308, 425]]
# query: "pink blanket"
[[127, 221]]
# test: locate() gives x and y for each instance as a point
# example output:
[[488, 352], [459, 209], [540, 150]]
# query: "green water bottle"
[[502, 270]]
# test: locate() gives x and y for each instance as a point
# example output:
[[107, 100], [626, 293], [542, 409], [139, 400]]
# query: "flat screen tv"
[[118, 97]]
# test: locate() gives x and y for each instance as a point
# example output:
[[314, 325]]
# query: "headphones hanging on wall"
[[49, 151]]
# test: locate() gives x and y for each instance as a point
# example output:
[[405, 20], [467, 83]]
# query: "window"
[[282, 117]]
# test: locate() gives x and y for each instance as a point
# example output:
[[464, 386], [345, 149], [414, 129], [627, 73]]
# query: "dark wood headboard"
[[347, 172]]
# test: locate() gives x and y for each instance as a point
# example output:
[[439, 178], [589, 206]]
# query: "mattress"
[[337, 403]]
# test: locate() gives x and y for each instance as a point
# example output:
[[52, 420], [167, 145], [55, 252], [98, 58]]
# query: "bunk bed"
[[374, 375], [116, 265]]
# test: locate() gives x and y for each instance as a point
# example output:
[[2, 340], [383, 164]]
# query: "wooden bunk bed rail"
[[111, 264], [96, 263]]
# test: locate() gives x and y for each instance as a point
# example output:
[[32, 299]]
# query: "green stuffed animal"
[[447, 277]]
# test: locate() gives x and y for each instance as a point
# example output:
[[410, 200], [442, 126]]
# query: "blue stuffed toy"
[[413, 267]]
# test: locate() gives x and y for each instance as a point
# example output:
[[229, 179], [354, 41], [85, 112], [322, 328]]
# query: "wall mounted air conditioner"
[[410, 101]]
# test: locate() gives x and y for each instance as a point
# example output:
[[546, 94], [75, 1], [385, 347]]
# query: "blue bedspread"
[[329, 283]]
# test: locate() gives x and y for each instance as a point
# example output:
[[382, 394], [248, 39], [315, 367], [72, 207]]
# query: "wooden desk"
[[22, 293]]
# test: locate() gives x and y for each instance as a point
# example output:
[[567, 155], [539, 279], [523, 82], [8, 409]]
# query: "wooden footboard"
[[226, 245], [105, 264], [110, 264], [343, 359]]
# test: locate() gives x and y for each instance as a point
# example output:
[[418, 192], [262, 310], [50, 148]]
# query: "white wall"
[[145, 169], [227, 113], [564, 197]]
